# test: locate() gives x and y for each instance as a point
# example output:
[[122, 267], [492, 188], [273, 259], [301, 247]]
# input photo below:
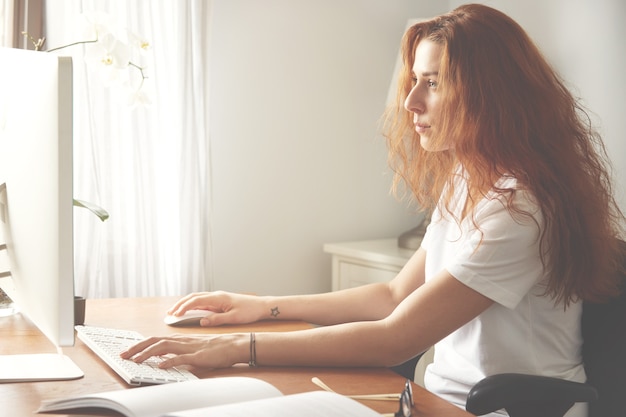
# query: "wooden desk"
[[19, 335]]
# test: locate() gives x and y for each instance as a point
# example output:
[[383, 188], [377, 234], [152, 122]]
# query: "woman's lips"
[[419, 127]]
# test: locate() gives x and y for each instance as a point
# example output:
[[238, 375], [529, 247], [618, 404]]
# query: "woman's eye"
[[432, 84]]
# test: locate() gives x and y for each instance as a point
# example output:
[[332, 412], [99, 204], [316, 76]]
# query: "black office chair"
[[604, 355], [407, 369]]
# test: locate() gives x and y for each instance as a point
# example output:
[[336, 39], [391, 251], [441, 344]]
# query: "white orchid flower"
[[138, 97], [139, 42], [110, 58]]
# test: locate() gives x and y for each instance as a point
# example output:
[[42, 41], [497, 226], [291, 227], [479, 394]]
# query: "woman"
[[523, 228]]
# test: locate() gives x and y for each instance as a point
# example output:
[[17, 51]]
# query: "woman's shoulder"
[[511, 195]]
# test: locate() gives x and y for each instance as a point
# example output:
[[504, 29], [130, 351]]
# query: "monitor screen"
[[36, 198]]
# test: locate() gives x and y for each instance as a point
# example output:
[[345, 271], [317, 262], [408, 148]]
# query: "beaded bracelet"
[[252, 362]]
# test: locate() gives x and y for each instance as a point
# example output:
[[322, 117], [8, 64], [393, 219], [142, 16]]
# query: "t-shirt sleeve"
[[502, 259]]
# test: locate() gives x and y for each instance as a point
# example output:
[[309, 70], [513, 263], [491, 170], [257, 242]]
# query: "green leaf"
[[98, 211]]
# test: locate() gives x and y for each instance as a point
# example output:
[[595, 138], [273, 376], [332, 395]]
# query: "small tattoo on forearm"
[[275, 312]]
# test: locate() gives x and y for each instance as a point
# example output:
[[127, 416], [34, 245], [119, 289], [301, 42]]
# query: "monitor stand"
[[38, 367]]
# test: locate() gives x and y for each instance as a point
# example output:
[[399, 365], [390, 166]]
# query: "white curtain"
[[147, 166]]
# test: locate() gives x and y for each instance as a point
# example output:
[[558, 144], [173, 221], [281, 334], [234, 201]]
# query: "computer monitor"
[[36, 203]]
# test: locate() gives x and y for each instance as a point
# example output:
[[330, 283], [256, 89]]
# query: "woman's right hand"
[[228, 308]]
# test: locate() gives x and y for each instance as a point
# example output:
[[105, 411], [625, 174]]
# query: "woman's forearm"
[[369, 302], [352, 344]]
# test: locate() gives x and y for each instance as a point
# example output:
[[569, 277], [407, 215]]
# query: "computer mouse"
[[190, 318]]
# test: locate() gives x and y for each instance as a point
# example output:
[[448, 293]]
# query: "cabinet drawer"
[[353, 274]]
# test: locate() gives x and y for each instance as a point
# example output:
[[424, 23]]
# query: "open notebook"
[[232, 396]]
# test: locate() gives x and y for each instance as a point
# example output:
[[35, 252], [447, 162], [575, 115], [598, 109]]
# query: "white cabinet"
[[364, 262]]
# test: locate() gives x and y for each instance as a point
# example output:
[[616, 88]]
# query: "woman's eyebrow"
[[426, 73]]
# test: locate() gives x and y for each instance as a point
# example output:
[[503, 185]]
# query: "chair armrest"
[[527, 395]]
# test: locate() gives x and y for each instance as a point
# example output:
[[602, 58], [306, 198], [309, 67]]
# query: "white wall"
[[297, 91], [585, 40]]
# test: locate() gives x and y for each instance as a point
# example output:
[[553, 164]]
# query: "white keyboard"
[[108, 343]]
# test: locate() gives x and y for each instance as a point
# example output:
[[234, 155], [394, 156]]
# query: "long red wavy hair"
[[508, 112]]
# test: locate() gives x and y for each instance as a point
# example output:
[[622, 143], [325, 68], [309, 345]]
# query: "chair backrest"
[[604, 352]]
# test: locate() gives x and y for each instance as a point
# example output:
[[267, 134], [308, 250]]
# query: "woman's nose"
[[413, 102]]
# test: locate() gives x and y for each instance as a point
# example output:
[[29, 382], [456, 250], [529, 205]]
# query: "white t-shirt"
[[523, 331]]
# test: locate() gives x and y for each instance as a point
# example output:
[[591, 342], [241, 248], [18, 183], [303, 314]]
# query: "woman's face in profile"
[[424, 99]]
